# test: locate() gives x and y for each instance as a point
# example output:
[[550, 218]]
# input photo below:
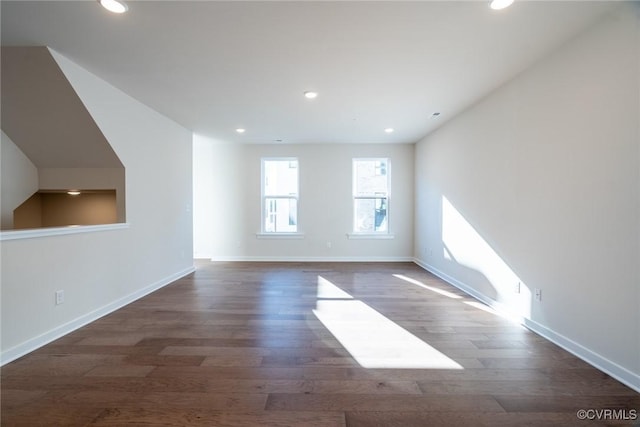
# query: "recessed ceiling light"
[[73, 192], [500, 4], [114, 6], [310, 94], [240, 130], [388, 130]]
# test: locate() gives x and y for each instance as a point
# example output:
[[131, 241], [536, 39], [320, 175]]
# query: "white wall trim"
[[371, 236], [618, 372], [264, 235], [32, 233], [59, 331], [601, 363], [308, 259]]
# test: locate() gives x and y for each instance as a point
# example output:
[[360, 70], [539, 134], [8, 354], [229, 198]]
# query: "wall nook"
[[50, 145]]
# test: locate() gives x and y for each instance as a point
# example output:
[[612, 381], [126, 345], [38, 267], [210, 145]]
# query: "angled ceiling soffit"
[[45, 118]]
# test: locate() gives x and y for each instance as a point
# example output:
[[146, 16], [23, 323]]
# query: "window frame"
[[383, 234], [263, 199]]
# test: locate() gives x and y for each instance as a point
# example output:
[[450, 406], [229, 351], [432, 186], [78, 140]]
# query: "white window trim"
[[370, 234], [380, 235], [279, 235], [282, 234], [33, 233]]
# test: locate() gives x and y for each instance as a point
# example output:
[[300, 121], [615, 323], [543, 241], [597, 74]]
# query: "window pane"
[[370, 215], [370, 177], [281, 215], [281, 178]]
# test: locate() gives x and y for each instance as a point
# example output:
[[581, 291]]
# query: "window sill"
[[280, 235], [370, 236], [32, 233]]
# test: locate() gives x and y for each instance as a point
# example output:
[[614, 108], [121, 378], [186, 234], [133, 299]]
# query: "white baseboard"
[[620, 373], [309, 259], [616, 371], [59, 331]]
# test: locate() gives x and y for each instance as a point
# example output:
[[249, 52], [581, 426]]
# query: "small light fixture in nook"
[[500, 4], [310, 94], [115, 6], [74, 192]]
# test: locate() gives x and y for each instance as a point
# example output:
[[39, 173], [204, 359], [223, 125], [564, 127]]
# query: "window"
[[280, 195], [371, 196]]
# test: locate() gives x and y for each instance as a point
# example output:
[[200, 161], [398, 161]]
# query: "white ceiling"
[[215, 66]]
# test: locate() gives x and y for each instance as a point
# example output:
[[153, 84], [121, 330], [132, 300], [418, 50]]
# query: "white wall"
[[203, 200], [100, 271], [540, 183], [325, 207], [18, 178]]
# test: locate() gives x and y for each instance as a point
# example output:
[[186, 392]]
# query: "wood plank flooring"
[[242, 344]]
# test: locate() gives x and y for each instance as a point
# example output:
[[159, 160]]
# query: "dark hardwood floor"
[[313, 344]]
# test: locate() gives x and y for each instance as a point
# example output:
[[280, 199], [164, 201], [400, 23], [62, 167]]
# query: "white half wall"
[[228, 203], [101, 271], [539, 183], [18, 179]]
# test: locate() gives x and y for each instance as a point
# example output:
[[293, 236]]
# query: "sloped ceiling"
[[214, 66], [44, 117]]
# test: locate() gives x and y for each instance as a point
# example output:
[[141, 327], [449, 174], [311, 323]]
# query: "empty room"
[[320, 213]]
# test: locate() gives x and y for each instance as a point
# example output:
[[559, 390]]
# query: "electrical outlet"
[[329, 245], [59, 297], [537, 294], [516, 289]]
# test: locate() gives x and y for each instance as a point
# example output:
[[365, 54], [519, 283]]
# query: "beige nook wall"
[[537, 187], [28, 214], [229, 205], [18, 180], [59, 209], [87, 179], [108, 266]]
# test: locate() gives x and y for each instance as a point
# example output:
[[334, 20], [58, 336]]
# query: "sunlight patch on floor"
[[327, 290], [372, 339], [431, 288], [481, 306]]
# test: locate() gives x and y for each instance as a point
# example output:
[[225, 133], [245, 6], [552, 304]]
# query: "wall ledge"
[[33, 233], [264, 235], [371, 236]]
